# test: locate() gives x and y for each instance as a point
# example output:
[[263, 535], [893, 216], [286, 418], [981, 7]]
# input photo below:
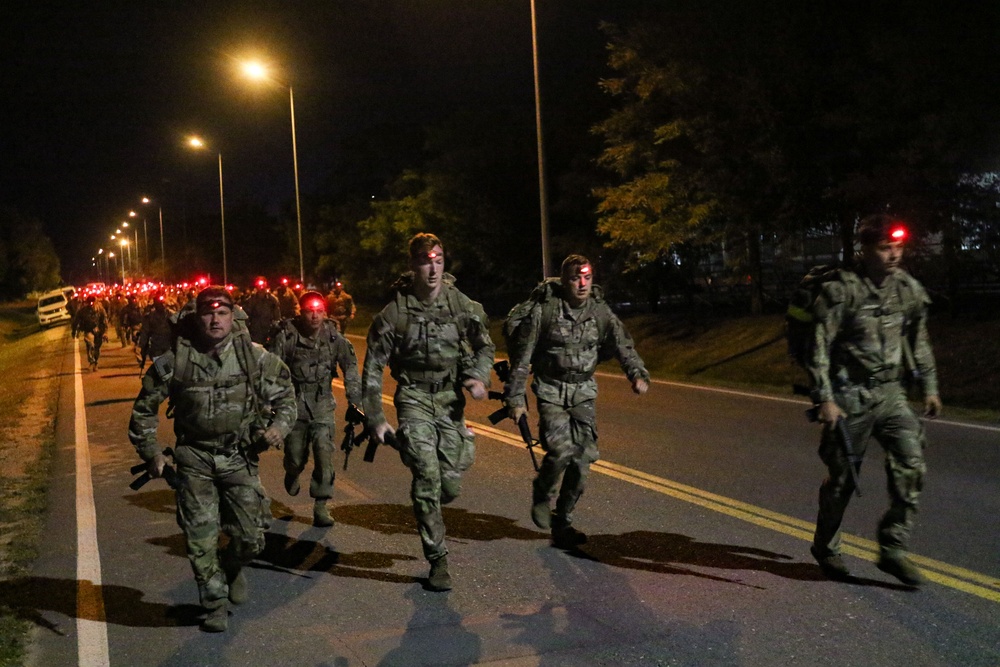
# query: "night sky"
[[98, 96]]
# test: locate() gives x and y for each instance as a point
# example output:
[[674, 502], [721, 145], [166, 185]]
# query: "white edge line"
[[92, 635]]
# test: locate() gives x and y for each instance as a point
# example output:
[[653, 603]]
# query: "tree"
[[28, 260]]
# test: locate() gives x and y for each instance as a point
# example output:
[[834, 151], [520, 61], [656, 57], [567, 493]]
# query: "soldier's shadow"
[[669, 553], [461, 524], [28, 597]]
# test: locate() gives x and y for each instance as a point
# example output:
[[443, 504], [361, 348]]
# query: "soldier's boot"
[[292, 484], [237, 585], [567, 537], [541, 514], [217, 619], [321, 514], [439, 579], [832, 565], [902, 568]]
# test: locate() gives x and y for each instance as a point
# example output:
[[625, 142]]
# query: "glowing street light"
[[163, 254], [257, 71], [197, 143]]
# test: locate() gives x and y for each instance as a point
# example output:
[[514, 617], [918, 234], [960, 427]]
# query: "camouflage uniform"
[[858, 360], [562, 347], [214, 420], [341, 308], [263, 312], [92, 320], [313, 363], [288, 303], [430, 348]]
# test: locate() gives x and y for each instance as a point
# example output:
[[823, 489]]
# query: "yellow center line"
[[958, 578], [952, 576]]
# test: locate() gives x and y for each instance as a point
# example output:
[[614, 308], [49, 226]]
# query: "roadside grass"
[[750, 353], [27, 410]]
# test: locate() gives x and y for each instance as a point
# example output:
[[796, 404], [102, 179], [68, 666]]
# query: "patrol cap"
[[881, 228], [212, 298], [312, 301]]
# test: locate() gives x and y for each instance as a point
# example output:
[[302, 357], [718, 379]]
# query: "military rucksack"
[[800, 318]]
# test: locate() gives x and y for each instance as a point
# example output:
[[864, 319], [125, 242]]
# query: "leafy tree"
[[28, 260]]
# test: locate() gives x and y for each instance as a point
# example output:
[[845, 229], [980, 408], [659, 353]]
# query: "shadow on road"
[[28, 597], [666, 552], [111, 401], [461, 524]]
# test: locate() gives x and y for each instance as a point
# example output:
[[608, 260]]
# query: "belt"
[[872, 380], [433, 387], [571, 378]]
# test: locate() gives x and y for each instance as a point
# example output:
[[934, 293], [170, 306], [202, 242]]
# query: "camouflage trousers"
[[315, 437], [93, 340], [881, 413], [219, 493], [436, 446], [569, 438]]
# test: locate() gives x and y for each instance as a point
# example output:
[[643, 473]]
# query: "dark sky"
[[98, 95]]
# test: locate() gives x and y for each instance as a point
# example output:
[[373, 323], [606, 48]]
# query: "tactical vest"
[[214, 412], [419, 332], [312, 365], [548, 295]]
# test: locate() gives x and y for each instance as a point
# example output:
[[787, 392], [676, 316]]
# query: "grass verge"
[[29, 365]]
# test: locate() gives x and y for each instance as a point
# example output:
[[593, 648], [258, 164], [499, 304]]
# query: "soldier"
[[872, 327], [435, 341], [263, 311], [311, 347], [129, 320], [560, 334], [288, 302], [92, 320], [155, 332], [219, 384], [340, 305]]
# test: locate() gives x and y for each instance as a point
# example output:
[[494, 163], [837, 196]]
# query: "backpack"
[[800, 318]]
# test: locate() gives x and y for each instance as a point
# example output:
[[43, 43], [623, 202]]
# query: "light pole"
[[542, 197], [145, 237], [136, 263], [198, 144], [258, 71], [163, 253]]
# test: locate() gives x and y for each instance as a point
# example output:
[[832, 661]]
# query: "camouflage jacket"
[[446, 340], [313, 364], [340, 307], [208, 396], [860, 331], [91, 319], [561, 347]]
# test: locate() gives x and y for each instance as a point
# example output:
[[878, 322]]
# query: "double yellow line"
[[958, 578]]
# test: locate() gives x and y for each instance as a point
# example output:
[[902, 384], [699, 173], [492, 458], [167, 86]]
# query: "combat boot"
[[321, 514], [217, 619], [292, 484], [541, 514], [832, 565], [567, 537], [439, 579], [237, 586], [902, 568]]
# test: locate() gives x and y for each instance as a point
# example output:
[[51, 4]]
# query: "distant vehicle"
[[53, 308]]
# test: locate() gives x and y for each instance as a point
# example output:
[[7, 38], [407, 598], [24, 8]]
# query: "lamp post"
[[136, 263], [258, 71], [163, 253], [198, 144], [145, 237], [542, 197]]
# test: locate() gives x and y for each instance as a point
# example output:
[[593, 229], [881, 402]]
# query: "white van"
[[53, 308]]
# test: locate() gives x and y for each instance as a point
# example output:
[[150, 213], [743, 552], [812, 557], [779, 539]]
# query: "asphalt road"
[[699, 516]]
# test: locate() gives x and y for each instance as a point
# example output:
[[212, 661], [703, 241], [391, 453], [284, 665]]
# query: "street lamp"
[[163, 255], [145, 237], [258, 71], [126, 248], [136, 264], [542, 197], [198, 144]]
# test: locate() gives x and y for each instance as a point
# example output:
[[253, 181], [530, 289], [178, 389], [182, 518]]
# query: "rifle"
[[169, 474], [502, 369], [853, 460], [390, 439], [354, 417]]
